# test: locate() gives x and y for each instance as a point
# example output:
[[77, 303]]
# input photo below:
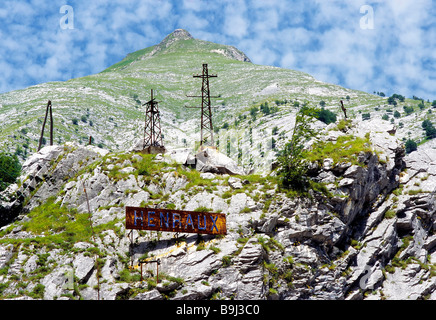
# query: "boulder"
[[251, 256], [207, 175], [5, 254], [408, 284], [211, 160], [198, 266], [46, 171], [327, 164], [83, 267], [251, 286], [179, 156], [235, 183], [149, 295], [196, 292], [173, 182], [57, 282]]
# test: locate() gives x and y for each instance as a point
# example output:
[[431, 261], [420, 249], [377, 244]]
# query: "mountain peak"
[[176, 35], [180, 34], [178, 41]]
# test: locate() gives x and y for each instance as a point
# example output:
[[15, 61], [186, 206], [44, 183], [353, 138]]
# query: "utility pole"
[[152, 132], [343, 109], [206, 128], [43, 125]]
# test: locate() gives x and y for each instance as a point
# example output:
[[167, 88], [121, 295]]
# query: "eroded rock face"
[[374, 234], [44, 174]]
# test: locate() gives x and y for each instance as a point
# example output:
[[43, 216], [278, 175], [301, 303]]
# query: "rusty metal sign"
[[175, 221]]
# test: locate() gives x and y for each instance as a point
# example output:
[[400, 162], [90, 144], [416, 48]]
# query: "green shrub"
[[62, 226], [38, 291], [203, 209], [366, 116], [3, 286], [215, 250], [245, 210], [430, 130], [127, 276], [226, 195], [227, 261], [344, 149], [390, 214], [344, 125], [411, 146], [326, 116], [10, 170], [408, 110], [171, 206]]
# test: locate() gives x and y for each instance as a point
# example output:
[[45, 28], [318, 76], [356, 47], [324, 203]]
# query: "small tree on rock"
[[411, 146], [10, 170], [293, 166]]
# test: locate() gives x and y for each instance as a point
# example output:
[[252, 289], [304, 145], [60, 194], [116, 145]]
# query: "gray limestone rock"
[[211, 160], [315, 247], [5, 254], [235, 183], [83, 267], [251, 256]]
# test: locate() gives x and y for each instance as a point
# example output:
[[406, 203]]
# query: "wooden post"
[[343, 109], [51, 124], [43, 125]]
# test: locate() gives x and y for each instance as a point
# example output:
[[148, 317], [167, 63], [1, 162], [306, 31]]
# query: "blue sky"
[[387, 46]]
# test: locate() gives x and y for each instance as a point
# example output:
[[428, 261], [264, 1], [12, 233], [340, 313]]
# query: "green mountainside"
[[108, 105]]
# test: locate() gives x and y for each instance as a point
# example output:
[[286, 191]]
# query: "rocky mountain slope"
[[368, 235], [366, 231]]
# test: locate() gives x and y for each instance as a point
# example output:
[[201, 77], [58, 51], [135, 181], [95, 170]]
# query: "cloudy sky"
[[387, 46]]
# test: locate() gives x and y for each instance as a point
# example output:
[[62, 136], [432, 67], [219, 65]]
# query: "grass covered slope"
[[108, 105]]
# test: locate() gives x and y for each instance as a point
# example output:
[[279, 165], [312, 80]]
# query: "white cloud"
[[195, 5], [193, 22], [288, 61], [321, 37], [235, 22]]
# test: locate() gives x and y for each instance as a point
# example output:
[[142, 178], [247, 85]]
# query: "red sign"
[[175, 221]]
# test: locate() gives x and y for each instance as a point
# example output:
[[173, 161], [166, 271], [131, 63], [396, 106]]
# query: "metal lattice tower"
[[206, 128], [47, 111], [152, 130]]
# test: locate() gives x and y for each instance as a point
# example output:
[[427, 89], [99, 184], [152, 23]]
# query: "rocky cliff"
[[367, 232]]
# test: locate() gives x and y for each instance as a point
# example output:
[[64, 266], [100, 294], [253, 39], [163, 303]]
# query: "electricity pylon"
[[152, 130], [206, 128]]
